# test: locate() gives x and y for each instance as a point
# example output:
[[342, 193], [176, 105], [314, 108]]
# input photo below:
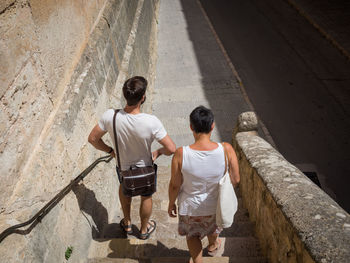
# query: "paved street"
[[298, 82], [192, 71]]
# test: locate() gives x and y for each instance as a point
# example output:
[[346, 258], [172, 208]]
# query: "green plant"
[[68, 252]]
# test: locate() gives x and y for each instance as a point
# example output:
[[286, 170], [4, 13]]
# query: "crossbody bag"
[[136, 180]]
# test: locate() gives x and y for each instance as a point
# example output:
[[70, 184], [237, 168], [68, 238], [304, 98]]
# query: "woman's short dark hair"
[[201, 119], [134, 89]]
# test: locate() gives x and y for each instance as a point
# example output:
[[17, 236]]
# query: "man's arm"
[[168, 148], [232, 164], [95, 138], [175, 181]]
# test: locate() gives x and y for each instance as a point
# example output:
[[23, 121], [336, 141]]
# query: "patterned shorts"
[[198, 226]]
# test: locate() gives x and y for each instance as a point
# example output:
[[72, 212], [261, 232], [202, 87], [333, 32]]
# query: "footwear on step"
[[125, 227], [214, 252], [150, 229]]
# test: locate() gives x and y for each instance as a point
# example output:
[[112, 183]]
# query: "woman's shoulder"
[[179, 150], [227, 146]]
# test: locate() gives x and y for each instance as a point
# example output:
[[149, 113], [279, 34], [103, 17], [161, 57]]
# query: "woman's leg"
[[213, 242], [195, 246]]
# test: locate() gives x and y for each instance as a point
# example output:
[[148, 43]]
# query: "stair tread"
[[160, 211], [165, 245], [169, 230], [179, 260], [135, 248]]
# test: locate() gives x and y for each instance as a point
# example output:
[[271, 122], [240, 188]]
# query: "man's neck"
[[133, 109]]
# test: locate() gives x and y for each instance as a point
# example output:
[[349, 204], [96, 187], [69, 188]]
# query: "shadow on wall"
[[220, 86], [101, 229], [89, 205]]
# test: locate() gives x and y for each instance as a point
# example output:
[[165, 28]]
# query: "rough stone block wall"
[[61, 66], [295, 220]]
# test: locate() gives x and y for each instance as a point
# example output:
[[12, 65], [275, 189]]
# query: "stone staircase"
[[239, 245]]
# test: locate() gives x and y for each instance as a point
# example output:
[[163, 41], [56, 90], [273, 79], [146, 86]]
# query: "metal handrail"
[[53, 202]]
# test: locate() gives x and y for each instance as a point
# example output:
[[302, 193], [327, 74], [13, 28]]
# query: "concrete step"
[[168, 247], [211, 260], [162, 214], [160, 202], [178, 260], [162, 193], [162, 206], [169, 230]]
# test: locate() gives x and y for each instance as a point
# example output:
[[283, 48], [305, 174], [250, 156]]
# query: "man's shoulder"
[[108, 114], [150, 117]]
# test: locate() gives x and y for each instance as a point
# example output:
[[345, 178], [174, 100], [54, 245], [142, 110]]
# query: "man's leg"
[[125, 201], [195, 246], [145, 212]]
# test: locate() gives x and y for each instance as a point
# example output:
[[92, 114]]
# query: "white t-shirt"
[[135, 134]]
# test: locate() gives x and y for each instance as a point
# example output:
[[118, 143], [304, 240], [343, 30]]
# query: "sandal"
[[125, 227], [214, 252], [150, 230]]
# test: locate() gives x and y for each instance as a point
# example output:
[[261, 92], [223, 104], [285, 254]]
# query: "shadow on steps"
[[127, 248]]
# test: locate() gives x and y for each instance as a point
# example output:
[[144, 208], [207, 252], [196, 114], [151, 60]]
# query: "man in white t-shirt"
[[136, 132]]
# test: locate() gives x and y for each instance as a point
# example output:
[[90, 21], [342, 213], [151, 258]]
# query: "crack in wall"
[[12, 5]]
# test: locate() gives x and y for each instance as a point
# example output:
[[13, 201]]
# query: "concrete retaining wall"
[[62, 65], [295, 220]]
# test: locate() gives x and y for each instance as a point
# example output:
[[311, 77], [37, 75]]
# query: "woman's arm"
[[175, 181], [232, 164]]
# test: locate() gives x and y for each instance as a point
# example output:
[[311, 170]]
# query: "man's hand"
[[155, 155], [172, 210]]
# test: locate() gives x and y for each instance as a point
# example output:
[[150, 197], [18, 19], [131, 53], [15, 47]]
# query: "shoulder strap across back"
[[226, 158], [115, 136]]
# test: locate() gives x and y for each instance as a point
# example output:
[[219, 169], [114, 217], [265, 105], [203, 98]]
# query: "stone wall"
[[295, 220], [62, 64]]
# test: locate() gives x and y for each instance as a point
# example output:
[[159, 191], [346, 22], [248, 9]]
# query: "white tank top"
[[201, 172]]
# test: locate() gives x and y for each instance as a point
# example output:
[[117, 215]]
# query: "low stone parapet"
[[295, 220]]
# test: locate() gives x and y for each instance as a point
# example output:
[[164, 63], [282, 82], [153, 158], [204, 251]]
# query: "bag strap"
[[115, 136], [226, 158]]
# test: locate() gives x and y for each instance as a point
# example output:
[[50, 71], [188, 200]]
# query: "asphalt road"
[[298, 83]]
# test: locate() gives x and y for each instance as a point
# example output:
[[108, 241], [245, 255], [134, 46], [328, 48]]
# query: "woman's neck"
[[202, 142], [200, 138]]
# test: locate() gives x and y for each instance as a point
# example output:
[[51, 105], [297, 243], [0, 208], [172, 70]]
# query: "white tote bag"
[[227, 200]]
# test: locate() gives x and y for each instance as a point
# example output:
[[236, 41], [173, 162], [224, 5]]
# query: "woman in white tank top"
[[195, 173]]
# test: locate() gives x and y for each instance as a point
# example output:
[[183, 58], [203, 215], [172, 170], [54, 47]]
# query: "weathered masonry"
[[60, 64], [294, 219]]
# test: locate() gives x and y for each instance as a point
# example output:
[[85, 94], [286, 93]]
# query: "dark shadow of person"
[[100, 227], [135, 250]]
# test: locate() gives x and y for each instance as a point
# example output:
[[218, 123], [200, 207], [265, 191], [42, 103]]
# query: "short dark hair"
[[134, 89], [201, 119]]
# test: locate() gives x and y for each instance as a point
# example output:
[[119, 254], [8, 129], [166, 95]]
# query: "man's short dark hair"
[[134, 89], [201, 119]]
